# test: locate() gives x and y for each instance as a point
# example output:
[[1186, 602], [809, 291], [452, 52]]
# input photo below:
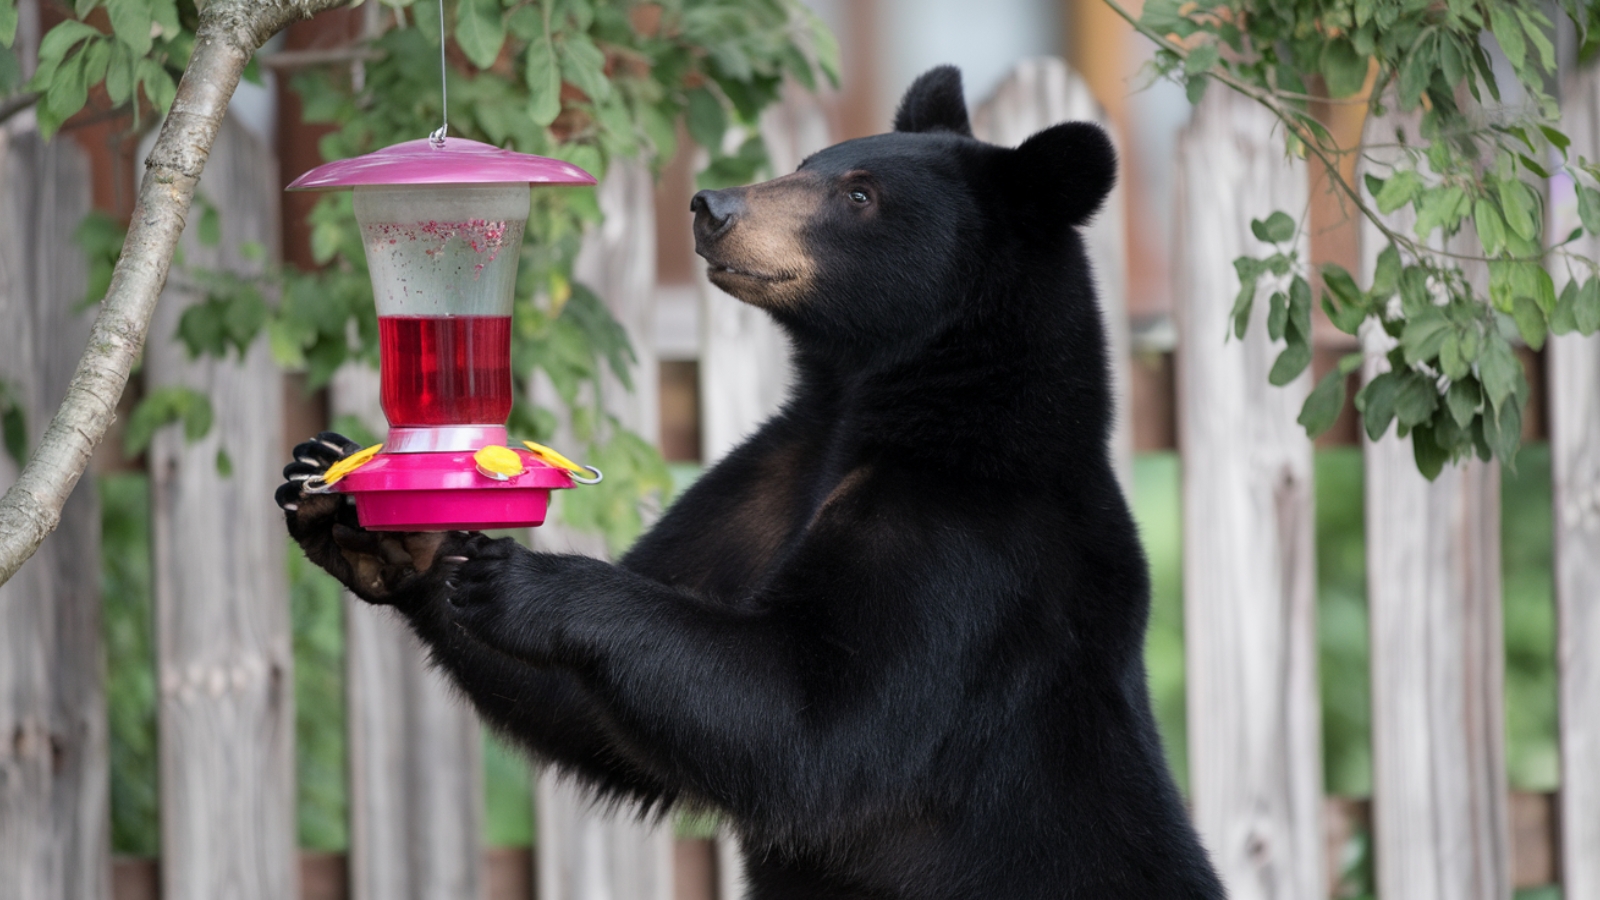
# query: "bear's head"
[[881, 242]]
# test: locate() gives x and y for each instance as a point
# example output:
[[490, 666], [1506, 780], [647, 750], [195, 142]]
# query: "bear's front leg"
[[377, 566]]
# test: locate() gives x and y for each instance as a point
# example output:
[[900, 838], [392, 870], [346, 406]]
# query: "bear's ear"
[[1070, 167], [934, 102]]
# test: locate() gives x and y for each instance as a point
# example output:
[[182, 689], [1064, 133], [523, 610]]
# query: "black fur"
[[896, 636], [934, 102]]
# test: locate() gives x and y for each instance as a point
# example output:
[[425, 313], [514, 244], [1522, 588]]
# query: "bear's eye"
[[860, 197]]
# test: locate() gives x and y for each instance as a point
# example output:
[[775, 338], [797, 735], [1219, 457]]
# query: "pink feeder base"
[[445, 492]]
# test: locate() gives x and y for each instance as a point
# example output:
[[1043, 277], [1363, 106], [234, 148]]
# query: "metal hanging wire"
[[437, 138]]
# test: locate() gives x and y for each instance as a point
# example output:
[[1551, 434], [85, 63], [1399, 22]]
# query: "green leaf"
[[1250, 271], [1502, 429], [1491, 228], [1450, 361], [1291, 362], [165, 406], [54, 48], [1498, 369], [158, 85], [1589, 208], [1533, 166], [584, 65], [1375, 400], [1323, 404], [1423, 336], [1343, 68], [1346, 318], [1508, 31], [119, 74], [1544, 289], [1429, 456], [1195, 88], [224, 463], [1563, 319], [1385, 276], [209, 227], [1337, 280], [1398, 191], [1276, 229], [1201, 59], [1519, 204], [1416, 67], [707, 120], [1415, 399], [543, 74], [1586, 309], [1530, 321], [480, 31], [8, 22], [1300, 307], [130, 22], [1277, 315], [1462, 400], [1541, 42], [1451, 61], [70, 88], [13, 424]]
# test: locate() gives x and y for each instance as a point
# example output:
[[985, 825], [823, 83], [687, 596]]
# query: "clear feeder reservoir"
[[443, 261]]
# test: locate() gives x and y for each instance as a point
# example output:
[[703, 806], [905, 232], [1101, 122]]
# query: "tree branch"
[[1325, 155], [230, 32]]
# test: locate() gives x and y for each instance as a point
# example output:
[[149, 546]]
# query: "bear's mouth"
[[715, 270]]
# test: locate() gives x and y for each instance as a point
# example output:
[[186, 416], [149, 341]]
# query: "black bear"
[[895, 637]]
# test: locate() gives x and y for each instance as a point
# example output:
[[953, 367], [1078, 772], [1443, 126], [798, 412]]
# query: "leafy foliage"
[[141, 56], [1468, 177], [587, 81]]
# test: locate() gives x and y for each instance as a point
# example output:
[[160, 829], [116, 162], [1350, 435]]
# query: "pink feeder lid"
[[445, 492], [455, 161]]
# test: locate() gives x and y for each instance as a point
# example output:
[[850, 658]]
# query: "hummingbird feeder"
[[442, 222]]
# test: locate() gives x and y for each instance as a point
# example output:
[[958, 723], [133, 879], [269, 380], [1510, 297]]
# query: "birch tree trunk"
[[55, 836], [230, 32]]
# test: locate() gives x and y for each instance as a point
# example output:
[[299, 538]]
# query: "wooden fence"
[[1443, 823]]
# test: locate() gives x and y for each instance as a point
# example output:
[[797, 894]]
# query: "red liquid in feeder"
[[445, 370]]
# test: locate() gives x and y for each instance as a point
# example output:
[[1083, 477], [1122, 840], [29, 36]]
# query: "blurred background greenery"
[[1342, 633]]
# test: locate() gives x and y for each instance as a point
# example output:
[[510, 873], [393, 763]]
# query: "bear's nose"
[[713, 212]]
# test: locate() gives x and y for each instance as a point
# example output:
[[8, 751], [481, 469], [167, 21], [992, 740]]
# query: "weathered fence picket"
[[1255, 767], [1574, 374], [1440, 808], [1441, 812], [55, 817], [225, 666], [415, 752], [585, 851], [744, 355]]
